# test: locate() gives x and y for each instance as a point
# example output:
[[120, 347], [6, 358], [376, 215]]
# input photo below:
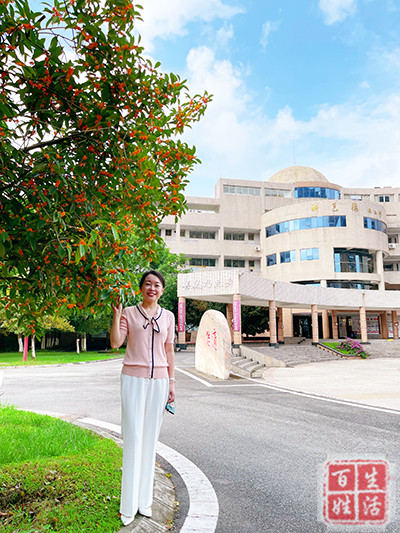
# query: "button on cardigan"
[[145, 355]]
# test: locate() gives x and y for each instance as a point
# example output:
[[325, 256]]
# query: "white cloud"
[[267, 28], [166, 19], [387, 60], [224, 35], [337, 10], [352, 145]]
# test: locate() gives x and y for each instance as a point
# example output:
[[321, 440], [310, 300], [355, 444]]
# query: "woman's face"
[[152, 289]]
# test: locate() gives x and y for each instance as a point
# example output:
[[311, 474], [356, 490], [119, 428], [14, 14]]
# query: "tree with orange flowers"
[[90, 155]]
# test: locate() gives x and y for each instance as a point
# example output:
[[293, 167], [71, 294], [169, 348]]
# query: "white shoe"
[[145, 512], [126, 520]]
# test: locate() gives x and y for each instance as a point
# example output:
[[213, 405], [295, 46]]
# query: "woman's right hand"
[[117, 308]]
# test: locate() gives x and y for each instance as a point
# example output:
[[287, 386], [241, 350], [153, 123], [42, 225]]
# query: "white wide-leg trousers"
[[143, 403]]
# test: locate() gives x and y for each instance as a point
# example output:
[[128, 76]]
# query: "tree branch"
[[53, 141]]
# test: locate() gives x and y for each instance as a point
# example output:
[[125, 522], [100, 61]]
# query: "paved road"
[[261, 449]]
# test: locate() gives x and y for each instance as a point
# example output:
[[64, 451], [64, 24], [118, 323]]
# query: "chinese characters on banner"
[[236, 315], [181, 316], [197, 284], [212, 339], [355, 492]]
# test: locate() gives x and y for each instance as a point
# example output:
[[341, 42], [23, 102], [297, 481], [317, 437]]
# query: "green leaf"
[[115, 232]]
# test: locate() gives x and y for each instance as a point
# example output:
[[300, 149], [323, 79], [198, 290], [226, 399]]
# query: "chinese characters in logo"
[[356, 492]]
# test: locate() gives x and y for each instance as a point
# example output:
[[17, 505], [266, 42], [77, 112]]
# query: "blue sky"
[[306, 82]]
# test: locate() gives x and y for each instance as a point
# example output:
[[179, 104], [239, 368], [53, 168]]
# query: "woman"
[[147, 384]]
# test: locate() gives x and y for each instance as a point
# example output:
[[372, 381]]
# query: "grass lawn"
[[55, 476], [47, 357]]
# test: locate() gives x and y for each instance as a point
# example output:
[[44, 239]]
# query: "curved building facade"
[[296, 227]]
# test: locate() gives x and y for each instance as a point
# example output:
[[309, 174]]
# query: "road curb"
[[203, 511], [164, 501]]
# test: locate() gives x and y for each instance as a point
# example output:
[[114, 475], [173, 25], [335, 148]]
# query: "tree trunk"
[[33, 347], [43, 343], [20, 343], [77, 345], [84, 342]]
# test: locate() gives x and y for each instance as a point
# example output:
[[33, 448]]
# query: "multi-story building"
[[296, 227]]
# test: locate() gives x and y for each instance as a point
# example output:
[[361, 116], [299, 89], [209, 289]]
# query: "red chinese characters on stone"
[[212, 339], [208, 336], [355, 492]]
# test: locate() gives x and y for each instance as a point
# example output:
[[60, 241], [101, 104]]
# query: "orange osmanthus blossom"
[[91, 158]]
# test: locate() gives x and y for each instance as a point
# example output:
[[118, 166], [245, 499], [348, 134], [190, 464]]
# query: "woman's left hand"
[[171, 394]]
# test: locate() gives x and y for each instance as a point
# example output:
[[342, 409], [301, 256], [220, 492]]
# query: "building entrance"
[[302, 326]]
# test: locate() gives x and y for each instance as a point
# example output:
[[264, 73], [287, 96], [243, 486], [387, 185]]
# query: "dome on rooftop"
[[293, 174]]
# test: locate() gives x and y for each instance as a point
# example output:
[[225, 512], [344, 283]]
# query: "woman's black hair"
[[154, 273]]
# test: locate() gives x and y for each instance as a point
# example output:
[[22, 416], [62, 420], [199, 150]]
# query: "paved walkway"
[[294, 354], [374, 381]]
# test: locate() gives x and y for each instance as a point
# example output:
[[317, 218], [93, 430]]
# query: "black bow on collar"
[[150, 321]]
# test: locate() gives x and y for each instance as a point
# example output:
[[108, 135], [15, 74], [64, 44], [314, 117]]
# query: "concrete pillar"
[[325, 324], [181, 323], [384, 325], [379, 270], [395, 325], [287, 322], [236, 320], [273, 340], [363, 324], [314, 324], [279, 315], [335, 335], [229, 318]]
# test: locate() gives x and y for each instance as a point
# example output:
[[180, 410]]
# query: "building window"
[[280, 193], [356, 197], [364, 285], [329, 221], [202, 234], [308, 254], [234, 263], [251, 236], [234, 236], [202, 261], [251, 264], [353, 261], [383, 198], [271, 260], [374, 223], [183, 232], [168, 232], [288, 256], [388, 267], [316, 192], [236, 189], [308, 282]]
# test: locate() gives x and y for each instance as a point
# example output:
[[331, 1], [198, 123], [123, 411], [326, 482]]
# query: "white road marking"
[[203, 508], [204, 382], [296, 392], [203, 511], [330, 399]]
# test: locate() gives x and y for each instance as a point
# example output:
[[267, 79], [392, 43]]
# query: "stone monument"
[[213, 345]]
